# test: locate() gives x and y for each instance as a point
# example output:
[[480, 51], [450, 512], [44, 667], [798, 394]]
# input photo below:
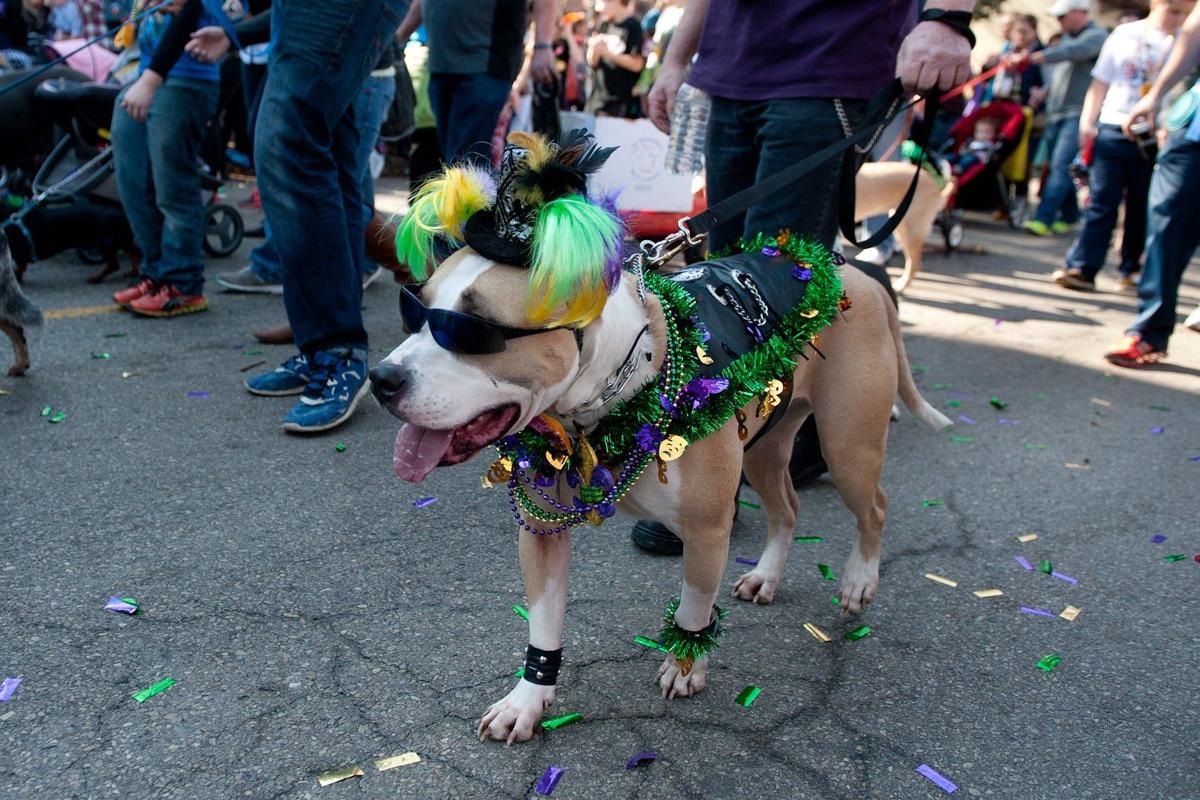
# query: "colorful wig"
[[441, 206]]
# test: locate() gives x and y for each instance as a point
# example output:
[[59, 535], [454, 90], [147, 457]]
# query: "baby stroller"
[[982, 186]]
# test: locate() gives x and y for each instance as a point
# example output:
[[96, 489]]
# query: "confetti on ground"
[[1024, 562], [1194, 458], [1027, 537], [858, 633], [962, 439], [748, 504], [520, 673], [391, 762], [424, 501], [337, 775], [982, 593], [249, 367], [123, 605], [1157, 430], [153, 689], [558, 722], [942, 386], [954, 403], [1158, 538], [1160, 408], [47, 411], [1035, 446], [4, 392], [747, 696], [932, 774], [1099, 402], [1049, 662], [1077, 466], [645, 641], [1174, 558], [1007, 421], [939, 579], [58, 417], [549, 780], [199, 394], [967, 419], [521, 612], [101, 356], [7, 687], [835, 601], [750, 562], [1041, 612], [826, 572], [817, 633], [122, 336], [1045, 566], [1069, 613], [1066, 578], [997, 403], [341, 448], [640, 759], [128, 375], [808, 539], [930, 503]]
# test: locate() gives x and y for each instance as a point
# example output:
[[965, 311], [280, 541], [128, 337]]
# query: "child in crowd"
[[978, 149], [614, 53]]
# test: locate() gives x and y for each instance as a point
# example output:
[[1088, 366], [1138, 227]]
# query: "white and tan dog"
[[879, 188], [455, 405]]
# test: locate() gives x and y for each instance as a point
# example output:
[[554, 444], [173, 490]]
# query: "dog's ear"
[[441, 206]]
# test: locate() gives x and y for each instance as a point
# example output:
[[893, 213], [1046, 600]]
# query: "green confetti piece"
[[58, 417], [341, 448], [1046, 567], [962, 439], [748, 504], [954, 404], [1174, 558], [558, 722], [930, 503], [998, 404], [747, 696], [153, 689], [46, 411], [645, 641], [101, 356], [918, 367], [809, 539], [858, 633], [252, 352], [1048, 663], [1035, 446], [826, 572], [520, 673], [942, 386], [1159, 408], [521, 612], [835, 601], [1039, 395]]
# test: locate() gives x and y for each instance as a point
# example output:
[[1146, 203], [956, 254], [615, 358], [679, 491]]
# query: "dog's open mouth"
[[421, 450]]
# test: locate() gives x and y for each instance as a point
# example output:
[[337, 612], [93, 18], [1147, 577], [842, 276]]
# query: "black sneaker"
[[654, 537], [807, 462]]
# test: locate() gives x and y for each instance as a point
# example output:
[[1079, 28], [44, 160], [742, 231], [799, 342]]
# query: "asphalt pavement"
[[313, 618]]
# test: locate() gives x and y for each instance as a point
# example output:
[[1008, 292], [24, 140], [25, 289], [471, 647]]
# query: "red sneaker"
[[140, 289], [167, 301], [1134, 352]]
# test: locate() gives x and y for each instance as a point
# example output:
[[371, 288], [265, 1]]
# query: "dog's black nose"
[[388, 382]]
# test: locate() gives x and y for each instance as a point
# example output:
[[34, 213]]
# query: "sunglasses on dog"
[[454, 330]]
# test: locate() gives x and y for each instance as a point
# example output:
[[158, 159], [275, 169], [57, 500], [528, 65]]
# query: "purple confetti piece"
[[8, 687], [770, 252], [1194, 458], [198, 394], [1024, 562], [117, 604], [929, 772], [750, 562], [1007, 421], [1156, 430], [1066, 578], [424, 501], [959, 395], [639, 759], [967, 419], [802, 273], [550, 779], [1158, 539], [997, 323], [1041, 612]]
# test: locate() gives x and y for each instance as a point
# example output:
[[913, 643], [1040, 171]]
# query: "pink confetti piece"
[[948, 786], [640, 758], [424, 501], [1158, 539], [750, 562], [198, 394], [7, 687], [1041, 612], [1066, 578], [967, 419], [1024, 562], [549, 780]]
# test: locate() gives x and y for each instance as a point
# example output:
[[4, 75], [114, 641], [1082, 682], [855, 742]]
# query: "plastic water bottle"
[[689, 130]]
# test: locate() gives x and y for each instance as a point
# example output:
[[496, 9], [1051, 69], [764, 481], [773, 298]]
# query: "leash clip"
[[664, 250]]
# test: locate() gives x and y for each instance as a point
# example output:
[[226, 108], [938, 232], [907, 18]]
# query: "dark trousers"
[[1173, 227], [306, 151], [1118, 170], [466, 108]]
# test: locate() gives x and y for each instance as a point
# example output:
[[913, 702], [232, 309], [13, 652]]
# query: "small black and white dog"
[[46, 231], [16, 312]]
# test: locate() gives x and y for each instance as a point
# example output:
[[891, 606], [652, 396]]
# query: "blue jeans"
[[1118, 170], [1058, 195], [1173, 231], [466, 108], [750, 140], [159, 183], [307, 153]]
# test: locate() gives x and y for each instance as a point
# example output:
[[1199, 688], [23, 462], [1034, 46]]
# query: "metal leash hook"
[[662, 251]]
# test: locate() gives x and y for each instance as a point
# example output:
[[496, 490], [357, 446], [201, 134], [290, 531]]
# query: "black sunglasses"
[[454, 330]]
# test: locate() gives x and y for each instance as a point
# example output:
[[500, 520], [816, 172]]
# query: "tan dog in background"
[[880, 187]]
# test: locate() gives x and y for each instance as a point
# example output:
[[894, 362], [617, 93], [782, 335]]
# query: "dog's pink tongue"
[[418, 451]]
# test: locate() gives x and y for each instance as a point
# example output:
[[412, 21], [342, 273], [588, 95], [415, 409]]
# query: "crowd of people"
[[320, 81]]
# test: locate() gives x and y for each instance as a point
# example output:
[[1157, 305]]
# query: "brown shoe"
[[281, 334], [1073, 279]]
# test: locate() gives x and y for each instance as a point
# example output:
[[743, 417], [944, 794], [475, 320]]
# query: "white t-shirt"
[[1132, 56]]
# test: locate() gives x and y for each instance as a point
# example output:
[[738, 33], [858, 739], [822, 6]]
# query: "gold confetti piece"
[[940, 579], [4, 392], [1070, 613], [987, 593], [391, 762], [1077, 466], [817, 633], [1027, 537], [130, 374], [1100, 402], [326, 778]]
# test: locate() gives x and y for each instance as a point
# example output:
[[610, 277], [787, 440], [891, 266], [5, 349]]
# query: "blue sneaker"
[[288, 378], [337, 380]]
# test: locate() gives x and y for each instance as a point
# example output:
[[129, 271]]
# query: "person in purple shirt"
[[787, 78]]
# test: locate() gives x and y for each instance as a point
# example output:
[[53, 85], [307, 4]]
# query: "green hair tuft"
[[573, 240]]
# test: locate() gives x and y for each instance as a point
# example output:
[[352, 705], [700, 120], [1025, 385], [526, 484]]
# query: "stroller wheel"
[[223, 230], [90, 255], [952, 232]]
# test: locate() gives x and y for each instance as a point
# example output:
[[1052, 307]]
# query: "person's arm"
[[1083, 48], [1088, 119], [1184, 55], [412, 21], [541, 64], [684, 42], [934, 55], [140, 95], [254, 30]]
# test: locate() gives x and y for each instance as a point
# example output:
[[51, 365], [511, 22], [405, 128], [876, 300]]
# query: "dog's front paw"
[[860, 579], [675, 683], [756, 587], [514, 718]]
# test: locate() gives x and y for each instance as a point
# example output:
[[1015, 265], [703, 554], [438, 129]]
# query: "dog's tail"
[[918, 405], [15, 307]]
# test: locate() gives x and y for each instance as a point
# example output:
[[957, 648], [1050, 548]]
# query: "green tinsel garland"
[[688, 645]]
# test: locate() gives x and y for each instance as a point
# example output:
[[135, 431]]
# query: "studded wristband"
[[541, 666]]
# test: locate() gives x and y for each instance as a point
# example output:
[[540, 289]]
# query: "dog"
[[879, 188], [454, 405], [52, 229], [16, 312]]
